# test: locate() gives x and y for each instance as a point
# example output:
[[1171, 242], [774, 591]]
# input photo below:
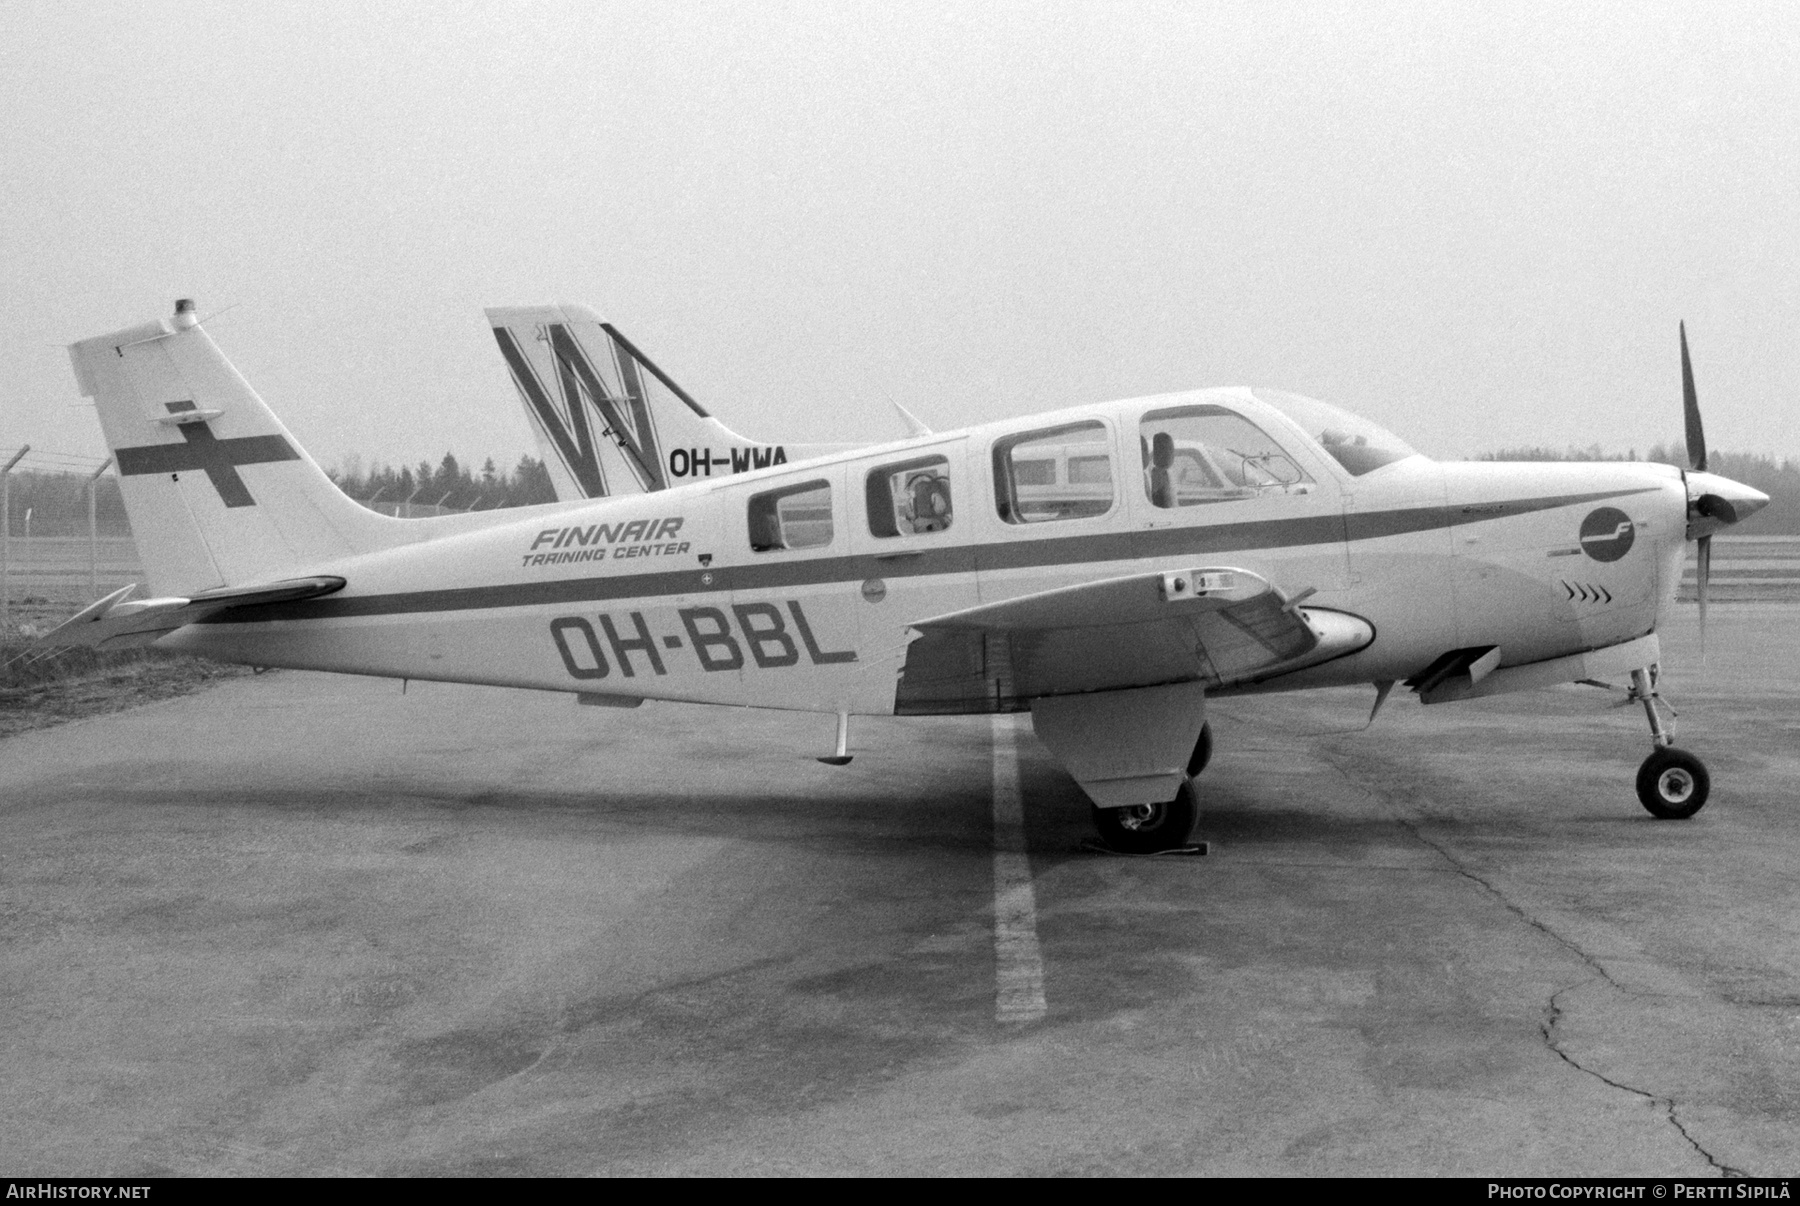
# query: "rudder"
[[218, 491]]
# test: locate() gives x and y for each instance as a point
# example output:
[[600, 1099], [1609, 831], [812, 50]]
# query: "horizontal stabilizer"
[[1215, 626], [119, 621]]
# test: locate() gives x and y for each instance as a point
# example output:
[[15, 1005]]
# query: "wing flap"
[[1213, 626]]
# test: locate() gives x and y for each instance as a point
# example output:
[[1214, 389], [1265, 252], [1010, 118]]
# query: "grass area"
[[40, 688]]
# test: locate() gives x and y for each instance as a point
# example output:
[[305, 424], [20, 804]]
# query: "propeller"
[[1696, 450], [1713, 502]]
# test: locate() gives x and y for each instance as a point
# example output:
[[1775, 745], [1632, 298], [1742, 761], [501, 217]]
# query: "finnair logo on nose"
[[1607, 533]]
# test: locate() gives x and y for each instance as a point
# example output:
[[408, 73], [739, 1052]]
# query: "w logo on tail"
[[608, 396], [607, 419]]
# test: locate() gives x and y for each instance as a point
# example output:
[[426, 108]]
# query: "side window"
[[794, 517], [910, 498], [1058, 473], [1206, 454]]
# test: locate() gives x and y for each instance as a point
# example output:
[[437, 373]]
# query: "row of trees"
[[451, 485], [57, 502]]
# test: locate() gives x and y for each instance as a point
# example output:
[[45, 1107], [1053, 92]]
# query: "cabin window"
[[910, 498], [1207, 454], [1058, 473], [1090, 471], [793, 517]]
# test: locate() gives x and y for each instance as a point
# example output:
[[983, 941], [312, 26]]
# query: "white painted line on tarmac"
[[1018, 965]]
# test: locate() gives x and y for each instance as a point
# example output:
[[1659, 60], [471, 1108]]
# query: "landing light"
[[1188, 584]]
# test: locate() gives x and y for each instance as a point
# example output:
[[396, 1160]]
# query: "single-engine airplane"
[[1105, 568], [608, 421]]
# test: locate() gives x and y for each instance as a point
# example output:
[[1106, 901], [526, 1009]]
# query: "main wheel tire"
[[1202, 751], [1150, 828], [1673, 784]]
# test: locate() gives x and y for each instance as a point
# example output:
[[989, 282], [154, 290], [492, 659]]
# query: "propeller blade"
[[1690, 408], [1703, 572]]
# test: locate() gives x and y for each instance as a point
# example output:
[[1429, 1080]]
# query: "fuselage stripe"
[[957, 559]]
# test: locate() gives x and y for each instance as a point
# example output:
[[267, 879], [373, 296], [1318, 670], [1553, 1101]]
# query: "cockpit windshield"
[[1355, 443]]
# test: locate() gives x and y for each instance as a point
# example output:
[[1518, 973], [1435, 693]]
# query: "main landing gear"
[[1671, 784], [1150, 828], [1157, 828]]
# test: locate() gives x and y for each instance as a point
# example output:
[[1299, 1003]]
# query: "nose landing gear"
[[1672, 784]]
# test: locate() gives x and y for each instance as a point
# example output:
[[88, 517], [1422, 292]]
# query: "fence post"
[[93, 484], [6, 541]]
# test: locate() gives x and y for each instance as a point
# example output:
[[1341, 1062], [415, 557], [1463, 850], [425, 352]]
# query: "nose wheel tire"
[[1673, 784], [1150, 828]]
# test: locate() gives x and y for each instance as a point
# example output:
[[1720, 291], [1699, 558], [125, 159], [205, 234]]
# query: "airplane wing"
[[1213, 626], [120, 622]]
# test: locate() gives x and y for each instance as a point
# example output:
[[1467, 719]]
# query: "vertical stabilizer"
[[609, 421], [219, 493]]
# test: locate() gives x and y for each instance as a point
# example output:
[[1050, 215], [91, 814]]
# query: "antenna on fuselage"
[[914, 425]]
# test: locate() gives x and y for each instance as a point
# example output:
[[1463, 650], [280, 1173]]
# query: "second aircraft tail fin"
[[607, 419]]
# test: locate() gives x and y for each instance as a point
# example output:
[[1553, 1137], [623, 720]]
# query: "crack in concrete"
[[1552, 1010], [1547, 1028], [1561, 940]]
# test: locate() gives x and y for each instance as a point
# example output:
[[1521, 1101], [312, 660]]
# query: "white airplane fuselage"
[[664, 596]]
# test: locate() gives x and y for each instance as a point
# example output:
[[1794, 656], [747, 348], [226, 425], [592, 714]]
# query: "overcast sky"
[[1477, 224]]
